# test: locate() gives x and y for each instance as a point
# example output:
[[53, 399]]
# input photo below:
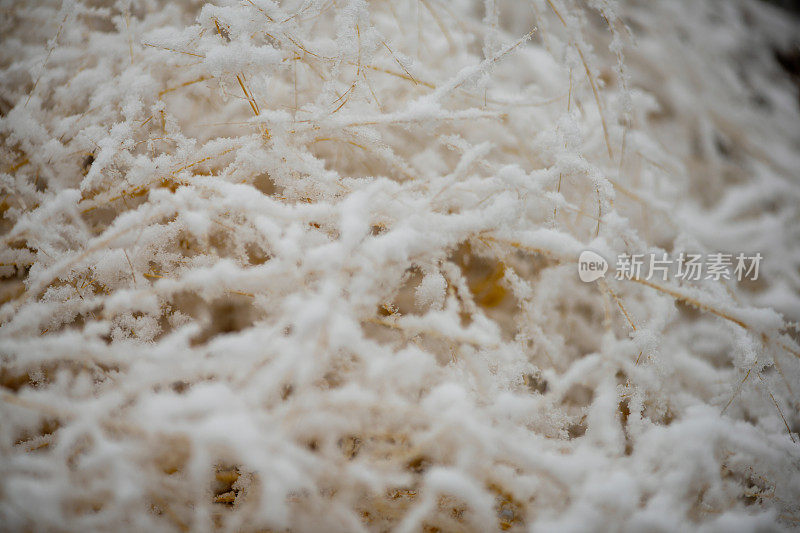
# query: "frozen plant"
[[311, 265]]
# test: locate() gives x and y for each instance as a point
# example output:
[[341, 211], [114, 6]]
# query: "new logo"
[[591, 266]]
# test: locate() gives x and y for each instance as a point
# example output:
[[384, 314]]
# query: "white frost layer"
[[311, 265]]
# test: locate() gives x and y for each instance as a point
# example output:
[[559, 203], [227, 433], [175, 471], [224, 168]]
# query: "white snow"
[[311, 265]]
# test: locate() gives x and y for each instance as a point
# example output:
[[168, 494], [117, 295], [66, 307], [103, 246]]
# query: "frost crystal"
[[312, 265]]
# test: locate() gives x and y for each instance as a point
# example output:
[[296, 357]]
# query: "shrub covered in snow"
[[311, 265]]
